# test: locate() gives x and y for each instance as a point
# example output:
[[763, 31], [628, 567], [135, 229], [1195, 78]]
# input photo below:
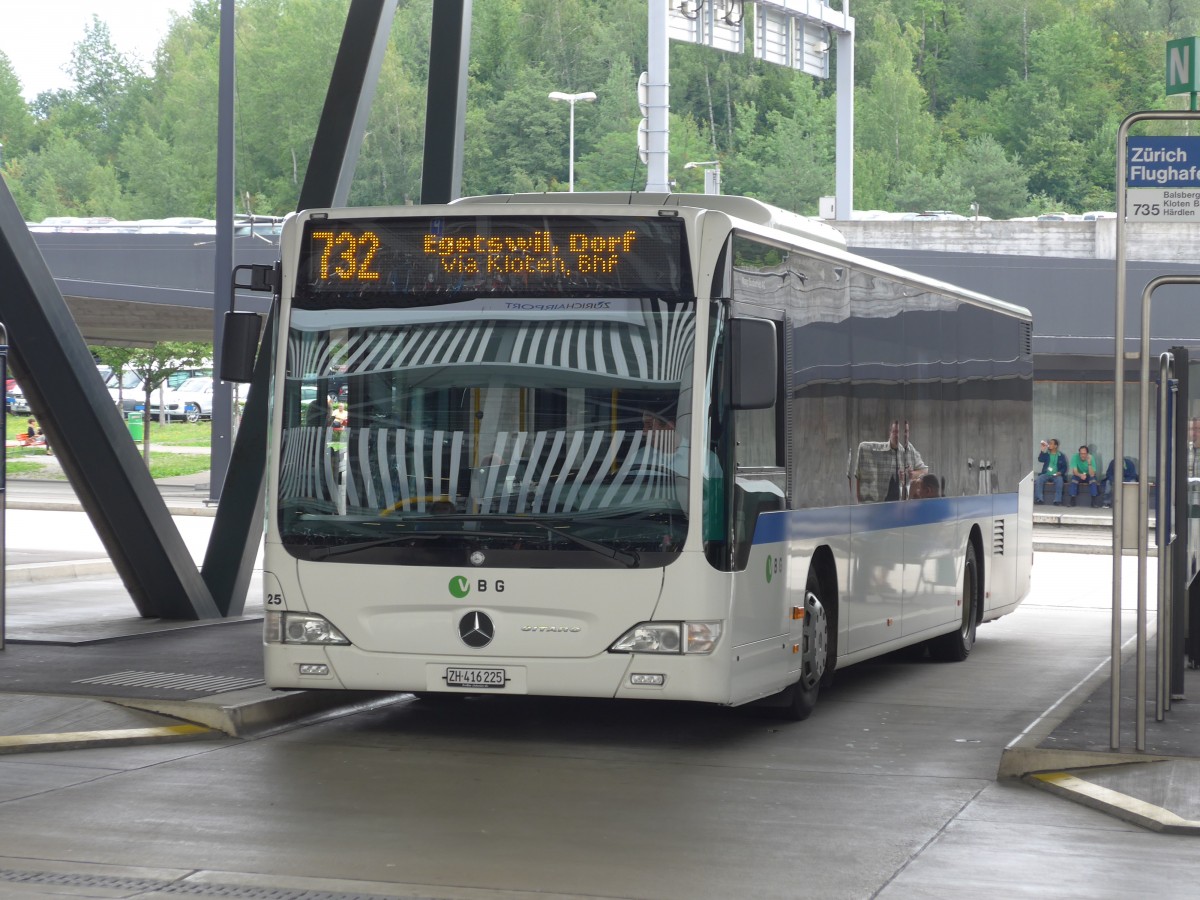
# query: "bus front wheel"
[[801, 698]]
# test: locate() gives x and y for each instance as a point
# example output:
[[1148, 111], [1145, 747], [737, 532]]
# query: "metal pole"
[[3, 492], [1118, 530], [571, 157], [844, 125], [657, 97], [1119, 408], [1143, 520], [1162, 532], [445, 102], [1144, 493], [221, 441]]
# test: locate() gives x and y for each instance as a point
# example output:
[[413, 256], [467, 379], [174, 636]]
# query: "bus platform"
[[81, 669]]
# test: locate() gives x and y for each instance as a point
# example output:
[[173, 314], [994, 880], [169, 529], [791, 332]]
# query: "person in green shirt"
[[1083, 472], [1054, 468]]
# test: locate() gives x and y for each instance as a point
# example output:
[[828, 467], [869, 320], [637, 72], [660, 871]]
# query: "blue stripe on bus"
[[806, 524]]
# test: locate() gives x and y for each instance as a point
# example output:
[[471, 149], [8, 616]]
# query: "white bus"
[[639, 446]]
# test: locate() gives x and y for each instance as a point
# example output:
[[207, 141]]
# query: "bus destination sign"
[[506, 255]]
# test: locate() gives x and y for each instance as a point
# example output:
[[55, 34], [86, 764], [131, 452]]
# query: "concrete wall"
[[1145, 241], [1073, 300], [1082, 413], [143, 288]]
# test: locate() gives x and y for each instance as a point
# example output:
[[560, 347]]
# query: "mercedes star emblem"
[[476, 629]]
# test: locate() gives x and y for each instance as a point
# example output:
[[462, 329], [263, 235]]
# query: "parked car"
[[15, 401], [192, 400], [131, 392]]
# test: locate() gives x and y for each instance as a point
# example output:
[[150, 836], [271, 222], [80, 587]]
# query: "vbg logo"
[[460, 586], [774, 567]]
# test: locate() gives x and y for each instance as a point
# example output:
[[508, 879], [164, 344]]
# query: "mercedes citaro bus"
[[668, 447]]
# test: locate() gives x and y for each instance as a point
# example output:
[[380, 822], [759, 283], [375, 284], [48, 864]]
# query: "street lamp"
[[712, 174], [572, 98]]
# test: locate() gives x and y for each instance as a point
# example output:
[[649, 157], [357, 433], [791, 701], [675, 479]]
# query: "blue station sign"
[[1163, 162]]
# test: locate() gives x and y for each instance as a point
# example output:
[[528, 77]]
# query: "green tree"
[[990, 178], [790, 162], [891, 115], [64, 179], [16, 122], [154, 365], [918, 191], [116, 358], [107, 97]]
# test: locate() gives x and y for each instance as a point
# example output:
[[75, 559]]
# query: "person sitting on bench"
[[1083, 472]]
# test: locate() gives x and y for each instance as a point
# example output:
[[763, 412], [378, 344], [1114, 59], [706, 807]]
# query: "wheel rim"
[[816, 641], [193, 413]]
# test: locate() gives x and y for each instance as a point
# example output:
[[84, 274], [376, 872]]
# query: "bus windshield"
[[539, 433]]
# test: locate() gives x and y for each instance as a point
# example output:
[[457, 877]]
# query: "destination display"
[[473, 256]]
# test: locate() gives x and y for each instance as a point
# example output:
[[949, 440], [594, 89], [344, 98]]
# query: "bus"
[[671, 447]]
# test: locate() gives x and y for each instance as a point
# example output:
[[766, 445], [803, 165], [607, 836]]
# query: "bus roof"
[[746, 208]]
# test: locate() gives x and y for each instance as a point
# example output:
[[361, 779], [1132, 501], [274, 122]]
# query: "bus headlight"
[[300, 628], [669, 637]]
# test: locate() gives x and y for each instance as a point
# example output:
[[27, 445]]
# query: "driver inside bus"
[[665, 450], [658, 448]]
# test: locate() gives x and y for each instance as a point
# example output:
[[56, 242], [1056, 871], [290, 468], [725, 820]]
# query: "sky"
[[37, 36]]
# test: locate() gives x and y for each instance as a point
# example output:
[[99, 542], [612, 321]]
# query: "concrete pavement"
[[82, 669]]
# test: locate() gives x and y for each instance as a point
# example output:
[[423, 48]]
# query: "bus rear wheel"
[[956, 646]]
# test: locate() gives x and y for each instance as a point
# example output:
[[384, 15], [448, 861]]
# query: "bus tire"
[[956, 646], [801, 698]]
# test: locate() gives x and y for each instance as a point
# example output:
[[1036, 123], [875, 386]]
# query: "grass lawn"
[[172, 434], [34, 462]]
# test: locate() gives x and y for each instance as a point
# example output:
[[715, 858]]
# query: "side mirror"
[[239, 344], [755, 366]]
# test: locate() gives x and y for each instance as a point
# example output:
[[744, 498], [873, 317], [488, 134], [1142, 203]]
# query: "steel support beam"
[[233, 544], [446, 101], [222, 401], [59, 376]]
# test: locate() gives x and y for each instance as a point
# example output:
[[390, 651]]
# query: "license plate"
[[476, 678]]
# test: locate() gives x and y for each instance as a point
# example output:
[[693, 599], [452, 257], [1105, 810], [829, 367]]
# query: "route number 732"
[[347, 256]]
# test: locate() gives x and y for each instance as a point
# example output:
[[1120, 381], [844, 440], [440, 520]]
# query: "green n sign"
[[1182, 65]]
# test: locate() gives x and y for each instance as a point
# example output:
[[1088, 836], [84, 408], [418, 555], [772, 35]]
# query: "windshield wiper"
[[628, 558], [339, 549]]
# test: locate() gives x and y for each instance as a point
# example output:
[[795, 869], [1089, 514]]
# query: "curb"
[[1064, 772], [253, 712], [174, 509], [1123, 806], [65, 570], [256, 711], [116, 737]]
